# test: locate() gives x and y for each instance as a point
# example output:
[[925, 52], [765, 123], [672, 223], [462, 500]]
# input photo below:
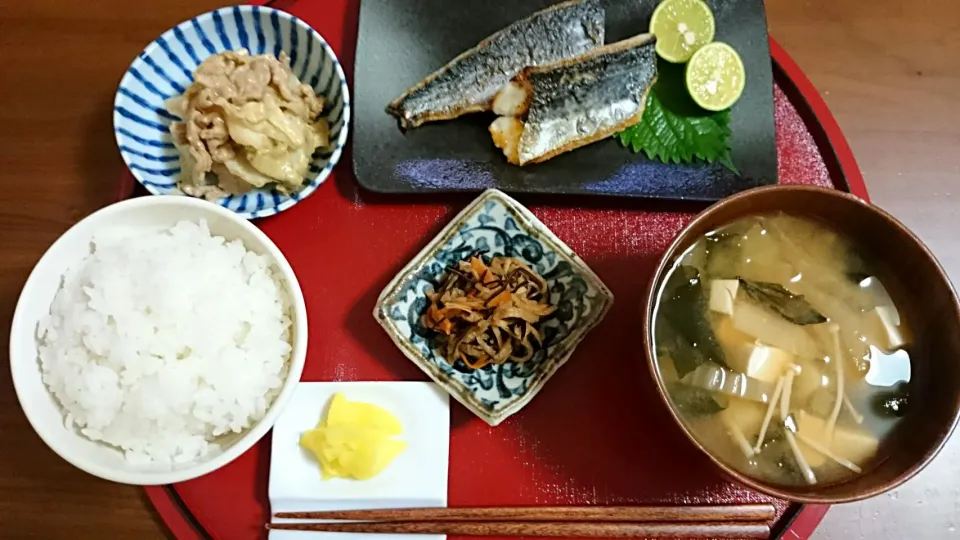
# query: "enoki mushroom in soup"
[[488, 311]]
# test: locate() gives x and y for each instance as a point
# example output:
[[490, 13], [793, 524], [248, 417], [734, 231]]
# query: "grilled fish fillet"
[[548, 110], [468, 83]]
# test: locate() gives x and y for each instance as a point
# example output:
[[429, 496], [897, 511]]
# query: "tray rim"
[[799, 520]]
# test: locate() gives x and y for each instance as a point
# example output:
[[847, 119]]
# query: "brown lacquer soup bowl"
[[916, 284]]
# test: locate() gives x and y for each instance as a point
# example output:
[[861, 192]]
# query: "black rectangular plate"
[[402, 41]]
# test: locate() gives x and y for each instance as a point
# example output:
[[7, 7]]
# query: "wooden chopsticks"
[[744, 512], [739, 531], [739, 521]]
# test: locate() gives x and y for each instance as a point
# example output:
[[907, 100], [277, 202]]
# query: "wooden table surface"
[[889, 69]]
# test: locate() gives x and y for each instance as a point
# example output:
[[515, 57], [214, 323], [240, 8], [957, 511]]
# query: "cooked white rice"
[[160, 342]]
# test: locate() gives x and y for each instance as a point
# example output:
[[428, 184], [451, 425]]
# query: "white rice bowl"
[[147, 350], [160, 342]]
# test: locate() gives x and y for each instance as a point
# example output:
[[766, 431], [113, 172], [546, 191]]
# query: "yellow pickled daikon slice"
[[354, 440]]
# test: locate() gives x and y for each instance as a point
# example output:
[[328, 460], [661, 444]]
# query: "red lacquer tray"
[[597, 433]]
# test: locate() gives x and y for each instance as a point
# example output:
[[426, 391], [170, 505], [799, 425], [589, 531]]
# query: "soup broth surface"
[[782, 351]]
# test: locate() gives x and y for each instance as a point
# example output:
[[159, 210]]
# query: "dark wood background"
[[890, 71]]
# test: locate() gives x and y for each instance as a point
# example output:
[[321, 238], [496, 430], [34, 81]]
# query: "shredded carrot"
[[479, 363], [478, 267], [445, 326], [499, 299]]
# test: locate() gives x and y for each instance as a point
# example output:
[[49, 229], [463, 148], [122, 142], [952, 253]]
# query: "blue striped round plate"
[[164, 69]]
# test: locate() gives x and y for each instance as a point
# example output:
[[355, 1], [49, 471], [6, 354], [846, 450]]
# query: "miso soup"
[[782, 351]]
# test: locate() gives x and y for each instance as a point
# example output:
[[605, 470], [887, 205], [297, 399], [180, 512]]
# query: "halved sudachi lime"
[[681, 27], [715, 76]]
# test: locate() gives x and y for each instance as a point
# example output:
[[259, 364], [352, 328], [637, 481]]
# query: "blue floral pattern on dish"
[[497, 225]]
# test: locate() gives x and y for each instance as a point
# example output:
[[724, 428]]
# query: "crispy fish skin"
[[468, 83], [548, 110]]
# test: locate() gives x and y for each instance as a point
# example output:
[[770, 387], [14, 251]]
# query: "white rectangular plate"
[[416, 478]]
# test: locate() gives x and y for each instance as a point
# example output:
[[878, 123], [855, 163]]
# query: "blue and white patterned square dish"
[[165, 69], [499, 225]]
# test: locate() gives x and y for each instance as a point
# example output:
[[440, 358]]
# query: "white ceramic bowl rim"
[[20, 371]]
